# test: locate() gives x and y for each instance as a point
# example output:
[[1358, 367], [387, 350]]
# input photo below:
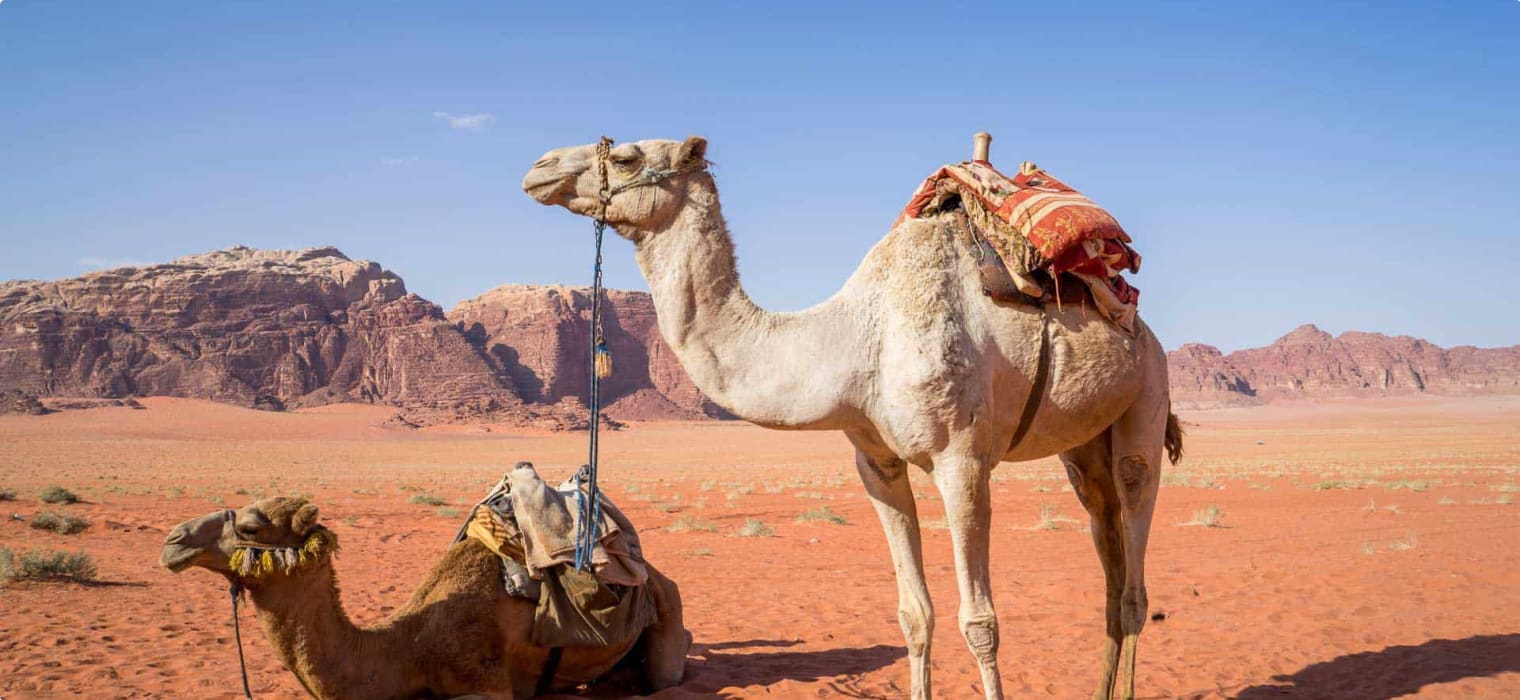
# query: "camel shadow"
[[1395, 671], [720, 665]]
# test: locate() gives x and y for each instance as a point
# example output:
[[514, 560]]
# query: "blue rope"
[[590, 501]]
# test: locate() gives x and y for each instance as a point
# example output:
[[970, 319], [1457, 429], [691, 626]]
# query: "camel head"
[[275, 536], [644, 186]]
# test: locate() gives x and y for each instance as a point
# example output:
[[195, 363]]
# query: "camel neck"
[[304, 620], [773, 369]]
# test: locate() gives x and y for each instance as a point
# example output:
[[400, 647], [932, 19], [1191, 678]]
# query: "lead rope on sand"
[[237, 634]]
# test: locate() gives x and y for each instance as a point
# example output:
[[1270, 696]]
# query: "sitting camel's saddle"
[[531, 526]]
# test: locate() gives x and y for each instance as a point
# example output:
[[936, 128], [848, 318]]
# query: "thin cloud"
[[96, 263], [405, 160], [466, 122]]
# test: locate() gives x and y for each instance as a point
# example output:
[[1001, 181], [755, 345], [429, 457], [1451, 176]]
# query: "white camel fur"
[[916, 366]]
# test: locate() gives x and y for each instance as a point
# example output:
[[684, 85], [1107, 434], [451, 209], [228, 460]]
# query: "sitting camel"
[[460, 634]]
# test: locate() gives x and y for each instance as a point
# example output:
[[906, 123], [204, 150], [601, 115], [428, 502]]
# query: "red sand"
[[1366, 551]]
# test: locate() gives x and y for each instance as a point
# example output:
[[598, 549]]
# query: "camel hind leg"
[[1137, 441], [1087, 467], [666, 642]]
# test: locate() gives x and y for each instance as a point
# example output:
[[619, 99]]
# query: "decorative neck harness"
[[254, 561]]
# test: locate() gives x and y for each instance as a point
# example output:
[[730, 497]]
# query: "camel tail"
[[1173, 439]]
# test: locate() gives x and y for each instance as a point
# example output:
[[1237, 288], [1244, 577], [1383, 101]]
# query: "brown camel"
[[459, 635], [915, 365]]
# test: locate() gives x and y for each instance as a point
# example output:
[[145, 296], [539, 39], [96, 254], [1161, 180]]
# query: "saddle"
[[1030, 232], [531, 527]]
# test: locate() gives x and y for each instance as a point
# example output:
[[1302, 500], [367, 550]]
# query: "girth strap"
[[1037, 388]]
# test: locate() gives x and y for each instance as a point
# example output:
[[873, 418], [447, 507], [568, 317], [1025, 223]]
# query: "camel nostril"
[[546, 162]]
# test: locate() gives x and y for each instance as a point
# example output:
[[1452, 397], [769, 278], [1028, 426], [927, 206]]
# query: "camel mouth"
[[546, 187], [176, 558]]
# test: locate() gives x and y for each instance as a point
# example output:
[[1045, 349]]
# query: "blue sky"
[[1277, 163]]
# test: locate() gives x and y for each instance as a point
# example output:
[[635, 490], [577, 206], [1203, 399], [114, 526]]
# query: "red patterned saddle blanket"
[[1037, 222]]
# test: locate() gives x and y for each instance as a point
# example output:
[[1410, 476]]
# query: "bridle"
[[646, 177]]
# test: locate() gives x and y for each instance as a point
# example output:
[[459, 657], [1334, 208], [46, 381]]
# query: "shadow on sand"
[[735, 664], [1395, 671]]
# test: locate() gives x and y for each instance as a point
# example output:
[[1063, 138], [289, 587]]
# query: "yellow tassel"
[[603, 360]]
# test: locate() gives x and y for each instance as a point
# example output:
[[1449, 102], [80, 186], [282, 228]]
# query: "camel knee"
[[1133, 607], [981, 635], [918, 629], [1134, 476]]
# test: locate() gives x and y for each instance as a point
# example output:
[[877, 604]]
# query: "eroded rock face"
[[538, 341], [1309, 363], [268, 329]]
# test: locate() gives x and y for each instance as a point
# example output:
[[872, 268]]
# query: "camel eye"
[[624, 159]]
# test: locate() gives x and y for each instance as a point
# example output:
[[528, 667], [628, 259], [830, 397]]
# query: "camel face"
[[649, 198], [209, 541]]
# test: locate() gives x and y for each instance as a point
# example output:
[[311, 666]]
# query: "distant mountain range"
[[1309, 363], [284, 329]]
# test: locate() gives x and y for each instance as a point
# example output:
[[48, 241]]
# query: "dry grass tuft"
[[427, 499], [1050, 520], [755, 527], [822, 514], [7, 494], [1210, 515], [692, 523]]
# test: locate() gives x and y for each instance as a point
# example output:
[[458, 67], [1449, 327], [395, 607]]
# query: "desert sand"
[[1357, 550]]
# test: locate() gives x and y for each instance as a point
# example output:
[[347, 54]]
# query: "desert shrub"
[[40, 564], [448, 512], [755, 527], [7, 494], [427, 499], [692, 523], [61, 523], [57, 495], [822, 514]]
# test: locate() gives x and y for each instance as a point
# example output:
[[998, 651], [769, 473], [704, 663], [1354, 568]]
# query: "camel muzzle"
[[189, 539]]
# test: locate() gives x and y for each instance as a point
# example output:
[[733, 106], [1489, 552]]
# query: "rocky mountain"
[[537, 339], [266, 329], [1309, 363]]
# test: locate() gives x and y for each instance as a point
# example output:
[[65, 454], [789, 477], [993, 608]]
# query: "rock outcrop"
[[538, 339], [1309, 363], [267, 329]]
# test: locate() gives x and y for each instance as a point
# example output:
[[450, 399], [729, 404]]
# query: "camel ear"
[[304, 520], [692, 152]]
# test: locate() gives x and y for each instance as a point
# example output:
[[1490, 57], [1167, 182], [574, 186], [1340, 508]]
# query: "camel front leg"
[[886, 481], [963, 485]]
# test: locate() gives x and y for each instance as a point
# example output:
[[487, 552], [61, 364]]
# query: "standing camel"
[[916, 366]]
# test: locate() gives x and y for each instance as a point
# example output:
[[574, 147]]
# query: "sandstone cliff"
[[265, 329], [538, 339], [276, 329], [1309, 363]]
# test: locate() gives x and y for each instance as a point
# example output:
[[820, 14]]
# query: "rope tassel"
[[603, 359]]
